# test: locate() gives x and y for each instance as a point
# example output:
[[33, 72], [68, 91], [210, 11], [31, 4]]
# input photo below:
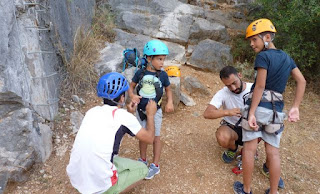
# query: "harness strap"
[[156, 85]]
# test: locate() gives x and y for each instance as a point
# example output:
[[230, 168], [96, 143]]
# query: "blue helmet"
[[111, 85], [155, 47]]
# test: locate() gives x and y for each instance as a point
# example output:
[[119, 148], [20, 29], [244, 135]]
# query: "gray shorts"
[[157, 121], [270, 138]]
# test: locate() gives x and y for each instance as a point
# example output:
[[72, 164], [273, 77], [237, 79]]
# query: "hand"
[[253, 123], [234, 112], [136, 99], [293, 115], [131, 107], [169, 107], [151, 108]]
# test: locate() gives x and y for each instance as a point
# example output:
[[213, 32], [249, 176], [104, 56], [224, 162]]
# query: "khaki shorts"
[[129, 172], [270, 138]]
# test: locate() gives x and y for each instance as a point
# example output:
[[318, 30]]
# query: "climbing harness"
[[268, 120], [159, 92]]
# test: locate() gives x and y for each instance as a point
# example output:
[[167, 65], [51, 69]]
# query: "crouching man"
[[94, 166]]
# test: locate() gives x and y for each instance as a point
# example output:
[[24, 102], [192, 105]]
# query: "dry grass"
[[79, 74]]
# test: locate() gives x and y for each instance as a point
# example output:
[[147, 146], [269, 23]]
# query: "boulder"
[[204, 29], [211, 55], [194, 87], [186, 100], [111, 59]]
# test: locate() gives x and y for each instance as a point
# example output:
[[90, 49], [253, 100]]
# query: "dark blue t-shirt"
[[279, 66], [148, 90]]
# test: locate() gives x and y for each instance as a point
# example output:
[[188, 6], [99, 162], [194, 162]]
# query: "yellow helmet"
[[258, 26], [173, 71]]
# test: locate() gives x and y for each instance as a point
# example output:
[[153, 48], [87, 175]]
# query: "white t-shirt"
[[230, 100], [90, 168]]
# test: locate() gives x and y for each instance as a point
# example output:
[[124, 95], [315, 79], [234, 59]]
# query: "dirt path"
[[190, 160]]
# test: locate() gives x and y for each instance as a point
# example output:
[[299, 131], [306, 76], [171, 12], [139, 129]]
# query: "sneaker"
[[238, 188], [265, 172], [153, 170], [145, 162], [228, 156]]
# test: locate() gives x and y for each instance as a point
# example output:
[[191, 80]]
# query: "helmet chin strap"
[[122, 104], [152, 67]]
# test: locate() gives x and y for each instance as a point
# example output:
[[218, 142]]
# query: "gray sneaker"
[[153, 170], [145, 162]]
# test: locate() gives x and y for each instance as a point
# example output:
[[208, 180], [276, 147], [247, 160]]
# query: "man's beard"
[[239, 90]]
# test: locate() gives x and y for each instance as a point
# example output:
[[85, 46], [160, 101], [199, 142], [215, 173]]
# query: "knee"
[[250, 147], [272, 153], [222, 138]]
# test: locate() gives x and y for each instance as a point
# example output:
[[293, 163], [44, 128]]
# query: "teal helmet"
[[155, 47]]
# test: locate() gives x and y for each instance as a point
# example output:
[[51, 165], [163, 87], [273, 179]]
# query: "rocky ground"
[[190, 160]]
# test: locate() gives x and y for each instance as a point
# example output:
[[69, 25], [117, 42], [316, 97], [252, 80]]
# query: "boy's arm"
[[147, 134], [293, 115], [213, 113], [256, 96], [169, 106], [134, 98]]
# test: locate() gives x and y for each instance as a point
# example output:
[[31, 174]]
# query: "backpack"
[[131, 58]]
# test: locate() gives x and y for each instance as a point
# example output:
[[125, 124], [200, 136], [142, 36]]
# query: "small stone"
[[57, 141], [42, 171], [82, 102], [75, 98]]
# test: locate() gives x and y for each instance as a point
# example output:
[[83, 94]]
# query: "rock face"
[[31, 35]]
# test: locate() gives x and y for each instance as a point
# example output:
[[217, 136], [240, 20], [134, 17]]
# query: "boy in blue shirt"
[[150, 82], [264, 117]]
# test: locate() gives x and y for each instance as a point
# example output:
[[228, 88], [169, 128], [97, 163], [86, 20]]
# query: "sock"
[[157, 165], [144, 159]]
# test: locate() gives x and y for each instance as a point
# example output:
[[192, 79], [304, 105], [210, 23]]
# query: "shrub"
[[298, 25]]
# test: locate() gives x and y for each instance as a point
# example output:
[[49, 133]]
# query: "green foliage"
[[241, 50], [298, 28]]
